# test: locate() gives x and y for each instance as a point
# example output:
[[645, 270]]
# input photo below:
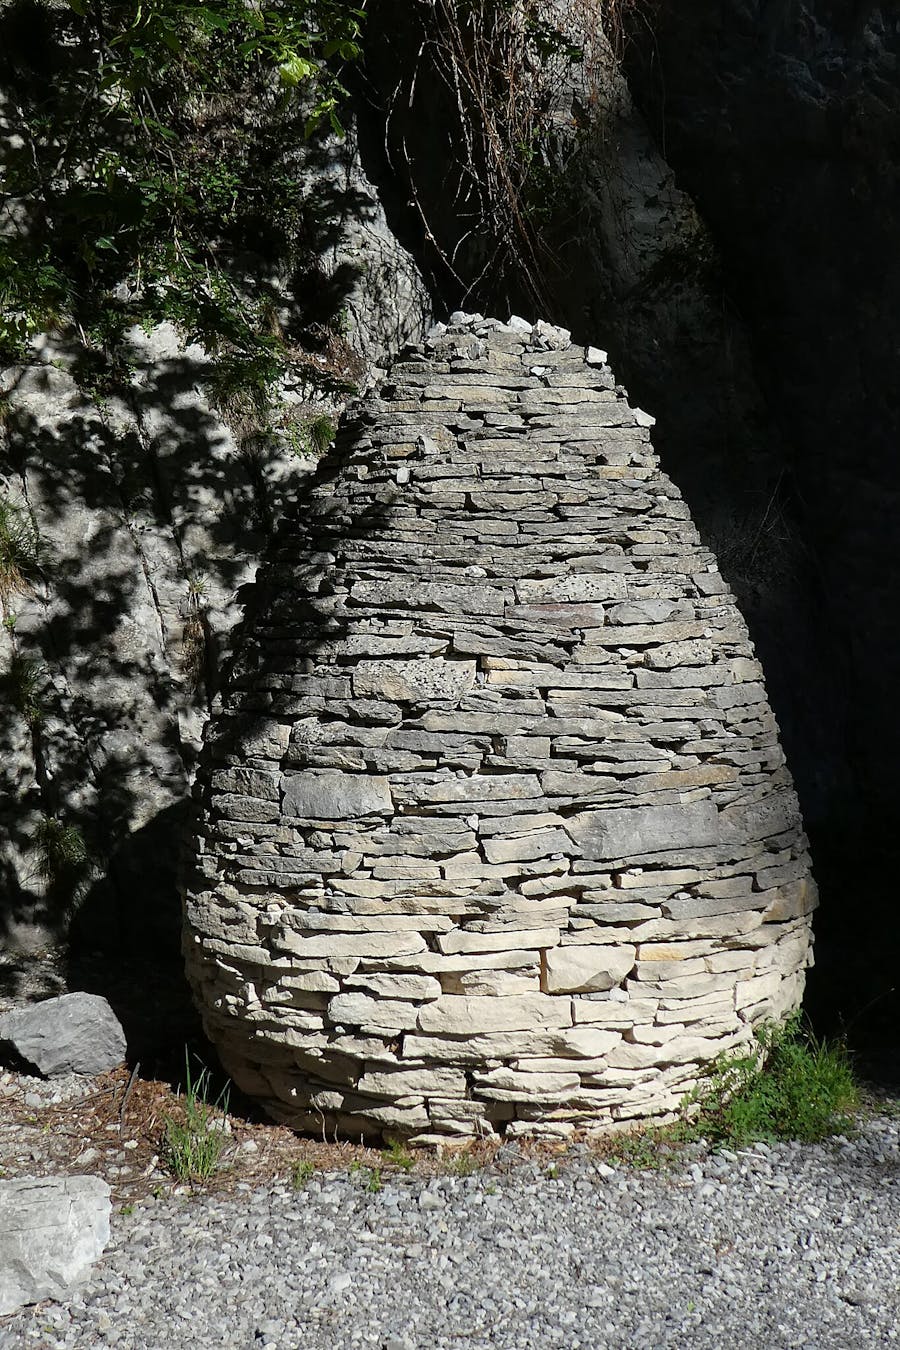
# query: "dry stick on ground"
[[127, 1093]]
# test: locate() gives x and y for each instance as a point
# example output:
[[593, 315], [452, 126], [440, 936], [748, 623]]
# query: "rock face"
[[495, 831], [52, 1229], [75, 1033], [152, 511]]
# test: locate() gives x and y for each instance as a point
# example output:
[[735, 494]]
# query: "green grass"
[[310, 436], [463, 1164], [796, 1087], [193, 1146], [22, 684], [371, 1175], [302, 1172], [396, 1156], [20, 550], [793, 1086], [62, 853]]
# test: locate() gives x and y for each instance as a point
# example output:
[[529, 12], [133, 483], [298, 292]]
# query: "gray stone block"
[[52, 1230], [630, 833], [75, 1033], [335, 796]]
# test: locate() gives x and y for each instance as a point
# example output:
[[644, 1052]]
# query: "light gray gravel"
[[793, 1246]]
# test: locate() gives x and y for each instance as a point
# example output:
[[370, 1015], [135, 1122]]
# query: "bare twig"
[[127, 1093]]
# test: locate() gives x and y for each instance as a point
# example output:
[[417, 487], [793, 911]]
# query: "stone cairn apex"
[[494, 833]]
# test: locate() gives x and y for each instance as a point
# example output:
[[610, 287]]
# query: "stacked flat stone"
[[495, 831]]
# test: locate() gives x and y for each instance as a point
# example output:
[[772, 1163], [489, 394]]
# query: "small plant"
[[396, 1156], [310, 437], [20, 550], [21, 683], [463, 1164], [63, 861], [653, 1149], [303, 1172], [373, 1185], [193, 1146], [193, 634], [371, 1175], [794, 1087]]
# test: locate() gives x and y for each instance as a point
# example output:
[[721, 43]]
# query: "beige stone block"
[[414, 1083], [435, 963], [656, 971], [584, 1042], [461, 1015], [466, 940], [507, 1085], [373, 1015], [639, 877], [308, 922], [790, 900], [571, 1043], [527, 847], [349, 944], [574, 587], [757, 990], [681, 1050], [673, 951], [391, 869], [397, 986], [311, 981], [611, 1013], [488, 983], [586, 969], [480, 787], [335, 796]]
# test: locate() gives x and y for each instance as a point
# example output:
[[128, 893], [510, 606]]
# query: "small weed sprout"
[[193, 634], [463, 1164], [303, 1171], [373, 1185], [193, 1146], [396, 1156]]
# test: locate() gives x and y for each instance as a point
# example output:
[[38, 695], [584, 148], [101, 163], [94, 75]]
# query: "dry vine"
[[512, 73]]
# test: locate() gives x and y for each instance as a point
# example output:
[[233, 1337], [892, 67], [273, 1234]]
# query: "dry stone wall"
[[495, 831]]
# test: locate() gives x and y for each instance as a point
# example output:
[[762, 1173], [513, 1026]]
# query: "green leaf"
[[79, 7], [296, 69]]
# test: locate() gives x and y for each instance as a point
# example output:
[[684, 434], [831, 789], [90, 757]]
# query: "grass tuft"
[[20, 550], [302, 1172], [22, 685], [193, 1145], [395, 1155]]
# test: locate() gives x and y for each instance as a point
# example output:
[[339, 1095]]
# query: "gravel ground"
[[796, 1245]]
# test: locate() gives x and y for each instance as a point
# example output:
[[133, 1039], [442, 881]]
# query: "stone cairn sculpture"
[[495, 832]]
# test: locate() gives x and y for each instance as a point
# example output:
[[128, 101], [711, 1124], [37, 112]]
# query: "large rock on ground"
[[75, 1033], [495, 831], [52, 1230]]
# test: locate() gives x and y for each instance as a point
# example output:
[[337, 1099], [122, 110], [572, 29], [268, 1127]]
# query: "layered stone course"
[[495, 831]]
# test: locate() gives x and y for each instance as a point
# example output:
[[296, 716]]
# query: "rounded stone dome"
[[494, 830]]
